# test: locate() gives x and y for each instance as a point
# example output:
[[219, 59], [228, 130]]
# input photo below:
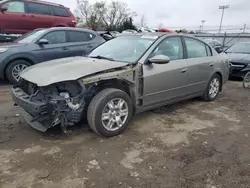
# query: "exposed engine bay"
[[60, 103]]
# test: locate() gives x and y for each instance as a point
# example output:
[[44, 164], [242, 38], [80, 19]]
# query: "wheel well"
[[221, 79], [114, 83], [99, 86], [23, 58]]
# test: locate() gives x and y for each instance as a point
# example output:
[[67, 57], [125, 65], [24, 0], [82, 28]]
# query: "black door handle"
[[184, 70], [89, 46], [65, 48], [211, 65]]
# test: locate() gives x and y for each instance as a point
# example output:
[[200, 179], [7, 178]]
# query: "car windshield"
[[31, 36], [128, 49], [239, 48]]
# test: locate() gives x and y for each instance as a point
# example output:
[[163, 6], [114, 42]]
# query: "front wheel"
[[14, 69], [109, 112], [213, 88], [246, 81]]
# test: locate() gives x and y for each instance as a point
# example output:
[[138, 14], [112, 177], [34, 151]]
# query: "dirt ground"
[[192, 144]]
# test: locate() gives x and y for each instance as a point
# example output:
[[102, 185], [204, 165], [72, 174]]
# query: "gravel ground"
[[192, 144]]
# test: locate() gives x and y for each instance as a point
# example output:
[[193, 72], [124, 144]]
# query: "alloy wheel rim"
[[214, 88], [17, 70], [115, 114]]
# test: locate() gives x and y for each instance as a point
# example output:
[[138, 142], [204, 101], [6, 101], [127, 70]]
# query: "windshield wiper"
[[102, 57]]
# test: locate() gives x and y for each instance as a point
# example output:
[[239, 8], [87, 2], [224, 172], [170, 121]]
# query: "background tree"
[[127, 24], [101, 14]]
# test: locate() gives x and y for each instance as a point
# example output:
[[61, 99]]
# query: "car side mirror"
[[159, 59], [218, 49], [4, 9], [43, 42]]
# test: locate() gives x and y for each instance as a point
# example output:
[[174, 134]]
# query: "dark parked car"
[[43, 45], [215, 44], [22, 16], [124, 76], [239, 56]]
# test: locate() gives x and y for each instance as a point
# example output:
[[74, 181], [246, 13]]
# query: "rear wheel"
[[14, 69], [246, 81], [213, 88], [110, 112]]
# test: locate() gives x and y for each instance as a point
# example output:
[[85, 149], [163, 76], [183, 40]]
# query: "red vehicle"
[[22, 16]]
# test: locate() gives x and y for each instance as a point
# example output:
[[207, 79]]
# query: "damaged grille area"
[[61, 103]]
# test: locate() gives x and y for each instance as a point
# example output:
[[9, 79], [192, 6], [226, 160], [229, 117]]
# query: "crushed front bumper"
[[44, 115], [30, 110]]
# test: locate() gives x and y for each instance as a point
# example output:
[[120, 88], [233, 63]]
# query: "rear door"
[[14, 20], [40, 15], [166, 82], [57, 47], [81, 42], [62, 17], [200, 64]]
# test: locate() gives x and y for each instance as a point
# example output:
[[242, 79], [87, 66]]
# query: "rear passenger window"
[[195, 48], [209, 52], [77, 36], [58, 11], [15, 6], [36, 8], [56, 37]]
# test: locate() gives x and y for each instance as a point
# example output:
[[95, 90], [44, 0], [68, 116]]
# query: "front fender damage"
[[126, 74], [63, 103]]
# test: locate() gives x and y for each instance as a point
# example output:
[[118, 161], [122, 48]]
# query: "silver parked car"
[[124, 76]]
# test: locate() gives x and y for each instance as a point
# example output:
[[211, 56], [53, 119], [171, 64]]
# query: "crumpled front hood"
[[239, 57], [66, 69]]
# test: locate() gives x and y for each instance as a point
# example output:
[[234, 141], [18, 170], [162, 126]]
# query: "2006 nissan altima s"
[[124, 76]]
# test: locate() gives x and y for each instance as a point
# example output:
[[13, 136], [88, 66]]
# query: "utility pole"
[[223, 7], [244, 29], [202, 24]]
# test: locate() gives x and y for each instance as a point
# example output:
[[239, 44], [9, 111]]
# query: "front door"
[[166, 82], [57, 47], [14, 20], [200, 65]]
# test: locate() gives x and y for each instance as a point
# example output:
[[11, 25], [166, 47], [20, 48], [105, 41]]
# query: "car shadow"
[[4, 83]]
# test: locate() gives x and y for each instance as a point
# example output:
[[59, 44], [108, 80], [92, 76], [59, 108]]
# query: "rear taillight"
[[74, 20]]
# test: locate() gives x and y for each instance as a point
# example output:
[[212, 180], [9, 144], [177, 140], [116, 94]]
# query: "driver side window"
[[56, 37], [171, 47], [15, 6]]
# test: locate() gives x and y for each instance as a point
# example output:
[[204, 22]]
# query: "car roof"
[[66, 29], [44, 2], [155, 34]]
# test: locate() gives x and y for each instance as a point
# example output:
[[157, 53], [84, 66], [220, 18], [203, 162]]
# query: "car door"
[[14, 20], [81, 42], [166, 82], [200, 65], [40, 15], [56, 48]]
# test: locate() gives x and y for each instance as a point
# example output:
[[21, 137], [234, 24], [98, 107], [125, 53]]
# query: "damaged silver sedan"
[[124, 76]]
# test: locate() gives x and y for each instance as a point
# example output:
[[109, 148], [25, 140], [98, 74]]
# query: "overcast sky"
[[185, 13]]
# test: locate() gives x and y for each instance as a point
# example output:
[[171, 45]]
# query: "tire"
[[11, 68], [246, 81], [99, 104], [207, 95]]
